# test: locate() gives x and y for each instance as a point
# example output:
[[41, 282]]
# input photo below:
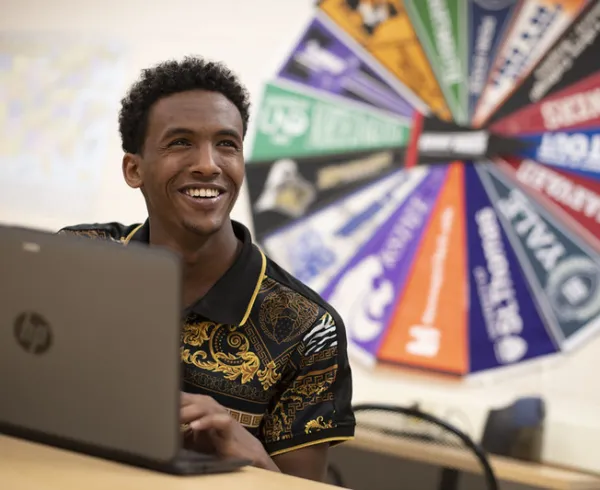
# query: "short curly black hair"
[[171, 77]]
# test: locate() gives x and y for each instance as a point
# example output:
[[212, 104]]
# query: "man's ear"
[[132, 170]]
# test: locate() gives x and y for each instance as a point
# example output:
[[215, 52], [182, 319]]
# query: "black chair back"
[[416, 424]]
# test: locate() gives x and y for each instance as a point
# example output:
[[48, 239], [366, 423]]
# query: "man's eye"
[[179, 142], [229, 143]]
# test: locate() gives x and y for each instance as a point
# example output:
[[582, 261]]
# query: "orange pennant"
[[429, 326], [386, 31]]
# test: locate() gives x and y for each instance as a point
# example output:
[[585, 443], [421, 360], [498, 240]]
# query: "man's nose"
[[204, 161]]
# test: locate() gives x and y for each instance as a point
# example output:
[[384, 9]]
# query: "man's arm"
[[212, 429], [314, 411], [308, 462]]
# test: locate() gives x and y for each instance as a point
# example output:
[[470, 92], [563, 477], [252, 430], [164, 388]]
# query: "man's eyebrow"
[[176, 131], [229, 132]]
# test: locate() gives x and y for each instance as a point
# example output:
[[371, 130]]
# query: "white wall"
[[252, 36]]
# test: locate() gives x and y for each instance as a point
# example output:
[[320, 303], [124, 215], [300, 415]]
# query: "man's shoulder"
[[112, 231], [289, 293]]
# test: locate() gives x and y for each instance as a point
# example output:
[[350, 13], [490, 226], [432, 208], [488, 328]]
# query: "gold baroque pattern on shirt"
[[284, 314], [204, 380], [324, 355], [258, 346], [251, 420], [317, 424], [308, 390], [93, 234], [227, 351]]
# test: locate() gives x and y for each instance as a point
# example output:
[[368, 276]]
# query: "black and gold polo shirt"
[[264, 346]]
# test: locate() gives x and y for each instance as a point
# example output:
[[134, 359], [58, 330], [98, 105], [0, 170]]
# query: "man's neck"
[[204, 259]]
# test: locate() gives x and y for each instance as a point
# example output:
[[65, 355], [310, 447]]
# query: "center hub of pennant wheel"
[[436, 141]]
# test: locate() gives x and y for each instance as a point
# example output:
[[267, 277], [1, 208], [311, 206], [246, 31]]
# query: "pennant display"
[[434, 141], [441, 26], [315, 248], [575, 107], [322, 60], [488, 21], [499, 297], [385, 30], [462, 233], [571, 59], [429, 325], [284, 190], [578, 150], [538, 24], [296, 123], [572, 199], [563, 272], [364, 290]]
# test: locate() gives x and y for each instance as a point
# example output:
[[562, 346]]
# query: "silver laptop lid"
[[89, 341]]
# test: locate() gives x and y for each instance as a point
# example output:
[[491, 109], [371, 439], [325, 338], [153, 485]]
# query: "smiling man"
[[266, 373]]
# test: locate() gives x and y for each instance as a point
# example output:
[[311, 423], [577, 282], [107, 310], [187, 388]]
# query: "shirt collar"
[[231, 299]]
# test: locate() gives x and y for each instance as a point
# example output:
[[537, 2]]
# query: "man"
[[266, 374]]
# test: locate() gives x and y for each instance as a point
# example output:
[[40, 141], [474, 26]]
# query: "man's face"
[[192, 166]]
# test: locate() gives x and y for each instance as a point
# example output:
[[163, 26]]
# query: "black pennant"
[[573, 57], [436, 141], [286, 189]]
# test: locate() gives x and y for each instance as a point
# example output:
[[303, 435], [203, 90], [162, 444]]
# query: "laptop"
[[89, 350]]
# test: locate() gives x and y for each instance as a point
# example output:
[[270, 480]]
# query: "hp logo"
[[33, 333]]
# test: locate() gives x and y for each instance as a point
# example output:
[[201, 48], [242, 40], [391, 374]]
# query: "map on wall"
[[60, 99], [461, 233]]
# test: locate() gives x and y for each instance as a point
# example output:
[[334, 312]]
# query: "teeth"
[[200, 192]]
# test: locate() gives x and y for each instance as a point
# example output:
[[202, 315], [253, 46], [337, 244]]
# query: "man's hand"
[[214, 430]]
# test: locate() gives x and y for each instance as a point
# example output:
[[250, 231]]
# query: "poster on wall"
[[294, 121], [60, 99], [487, 255], [324, 60]]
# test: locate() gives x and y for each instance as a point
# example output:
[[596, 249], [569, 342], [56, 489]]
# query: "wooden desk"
[[505, 469], [28, 466]]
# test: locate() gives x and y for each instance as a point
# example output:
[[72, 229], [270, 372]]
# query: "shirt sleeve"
[[315, 405], [113, 231]]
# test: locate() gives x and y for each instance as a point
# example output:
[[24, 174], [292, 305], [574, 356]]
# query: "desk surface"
[[25, 465], [505, 469]]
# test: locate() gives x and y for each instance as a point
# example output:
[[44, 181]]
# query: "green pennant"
[[442, 28], [295, 123]]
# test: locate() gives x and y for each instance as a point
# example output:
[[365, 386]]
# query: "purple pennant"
[[367, 289], [323, 61], [505, 326]]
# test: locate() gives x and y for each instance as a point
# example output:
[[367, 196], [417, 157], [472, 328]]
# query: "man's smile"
[[203, 196]]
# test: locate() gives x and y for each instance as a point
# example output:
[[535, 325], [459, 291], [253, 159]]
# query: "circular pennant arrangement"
[[486, 252]]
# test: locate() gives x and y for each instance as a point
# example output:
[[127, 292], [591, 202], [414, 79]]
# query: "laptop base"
[[186, 463]]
